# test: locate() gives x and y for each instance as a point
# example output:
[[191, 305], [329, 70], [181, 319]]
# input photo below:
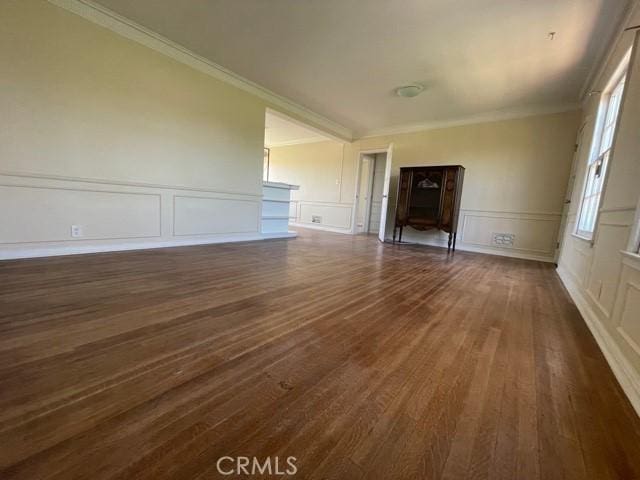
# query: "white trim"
[[284, 186], [123, 26], [298, 141], [467, 247], [475, 119], [633, 244], [313, 226], [276, 235], [58, 250], [504, 253], [617, 78], [617, 209], [631, 259], [124, 183], [361, 153], [627, 377], [589, 240], [515, 212]]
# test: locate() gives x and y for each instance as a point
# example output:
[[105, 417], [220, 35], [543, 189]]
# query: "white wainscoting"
[[45, 214], [209, 215], [37, 212], [601, 281], [604, 282], [535, 233], [335, 217], [629, 326], [618, 336]]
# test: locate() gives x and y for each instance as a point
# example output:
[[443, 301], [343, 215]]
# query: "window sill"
[[584, 239], [631, 259]]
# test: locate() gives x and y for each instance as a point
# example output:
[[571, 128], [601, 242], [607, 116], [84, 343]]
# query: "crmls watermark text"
[[256, 466]]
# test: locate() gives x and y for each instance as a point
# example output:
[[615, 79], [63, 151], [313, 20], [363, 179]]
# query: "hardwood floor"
[[362, 360]]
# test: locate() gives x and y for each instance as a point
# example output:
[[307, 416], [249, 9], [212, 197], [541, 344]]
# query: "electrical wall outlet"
[[503, 239], [76, 231], [316, 219]]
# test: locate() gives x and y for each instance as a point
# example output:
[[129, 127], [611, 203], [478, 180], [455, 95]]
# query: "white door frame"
[[356, 195], [368, 192]]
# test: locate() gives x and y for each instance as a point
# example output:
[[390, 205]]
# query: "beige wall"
[[105, 133], [318, 169], [516, 175], [603, 281]]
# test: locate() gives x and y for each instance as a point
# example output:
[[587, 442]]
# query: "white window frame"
[[265, 164], [599, 158], [634, 240]]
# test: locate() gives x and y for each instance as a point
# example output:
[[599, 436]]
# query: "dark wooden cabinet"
[[429, 197]]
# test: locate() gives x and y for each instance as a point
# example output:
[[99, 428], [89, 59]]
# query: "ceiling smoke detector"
[[409, 91]]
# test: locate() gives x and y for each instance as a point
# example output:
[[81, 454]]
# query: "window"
[[599, 159]]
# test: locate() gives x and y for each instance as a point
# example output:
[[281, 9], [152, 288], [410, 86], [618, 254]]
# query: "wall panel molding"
[[114, 216], [122, 183], [41, 214], [334, 216], [536, 233], [208, 215], [629, 308], [627, 376]]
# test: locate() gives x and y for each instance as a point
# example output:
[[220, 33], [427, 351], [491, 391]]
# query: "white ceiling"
[[343, 58], [280, 131]]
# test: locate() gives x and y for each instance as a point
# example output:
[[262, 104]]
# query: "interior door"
[[385, 195]]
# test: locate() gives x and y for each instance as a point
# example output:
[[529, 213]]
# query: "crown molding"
[[297, 141], [475, 119], [604, 58], [133, 31]]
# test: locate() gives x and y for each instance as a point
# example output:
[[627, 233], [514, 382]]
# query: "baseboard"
[[70, 249], [627, 376], [505, 253], [487, 251], [289, 234], [321, 227]]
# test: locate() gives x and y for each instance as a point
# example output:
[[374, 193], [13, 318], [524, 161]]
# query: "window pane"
[[607, 139], [611, 110], [587, 220], [585, 213], [597, 168], [589, 189]]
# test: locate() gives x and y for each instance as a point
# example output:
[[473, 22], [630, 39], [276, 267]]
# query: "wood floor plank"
[[362, 360]]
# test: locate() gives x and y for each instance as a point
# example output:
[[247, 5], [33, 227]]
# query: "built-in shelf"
[[276, 198]]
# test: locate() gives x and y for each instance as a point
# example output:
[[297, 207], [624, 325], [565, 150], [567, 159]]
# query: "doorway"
[[372, 190]]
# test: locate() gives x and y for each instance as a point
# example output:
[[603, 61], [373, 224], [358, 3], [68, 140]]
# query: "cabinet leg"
[[400, 234], [394, 234], [450, 240], [455, 237]]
